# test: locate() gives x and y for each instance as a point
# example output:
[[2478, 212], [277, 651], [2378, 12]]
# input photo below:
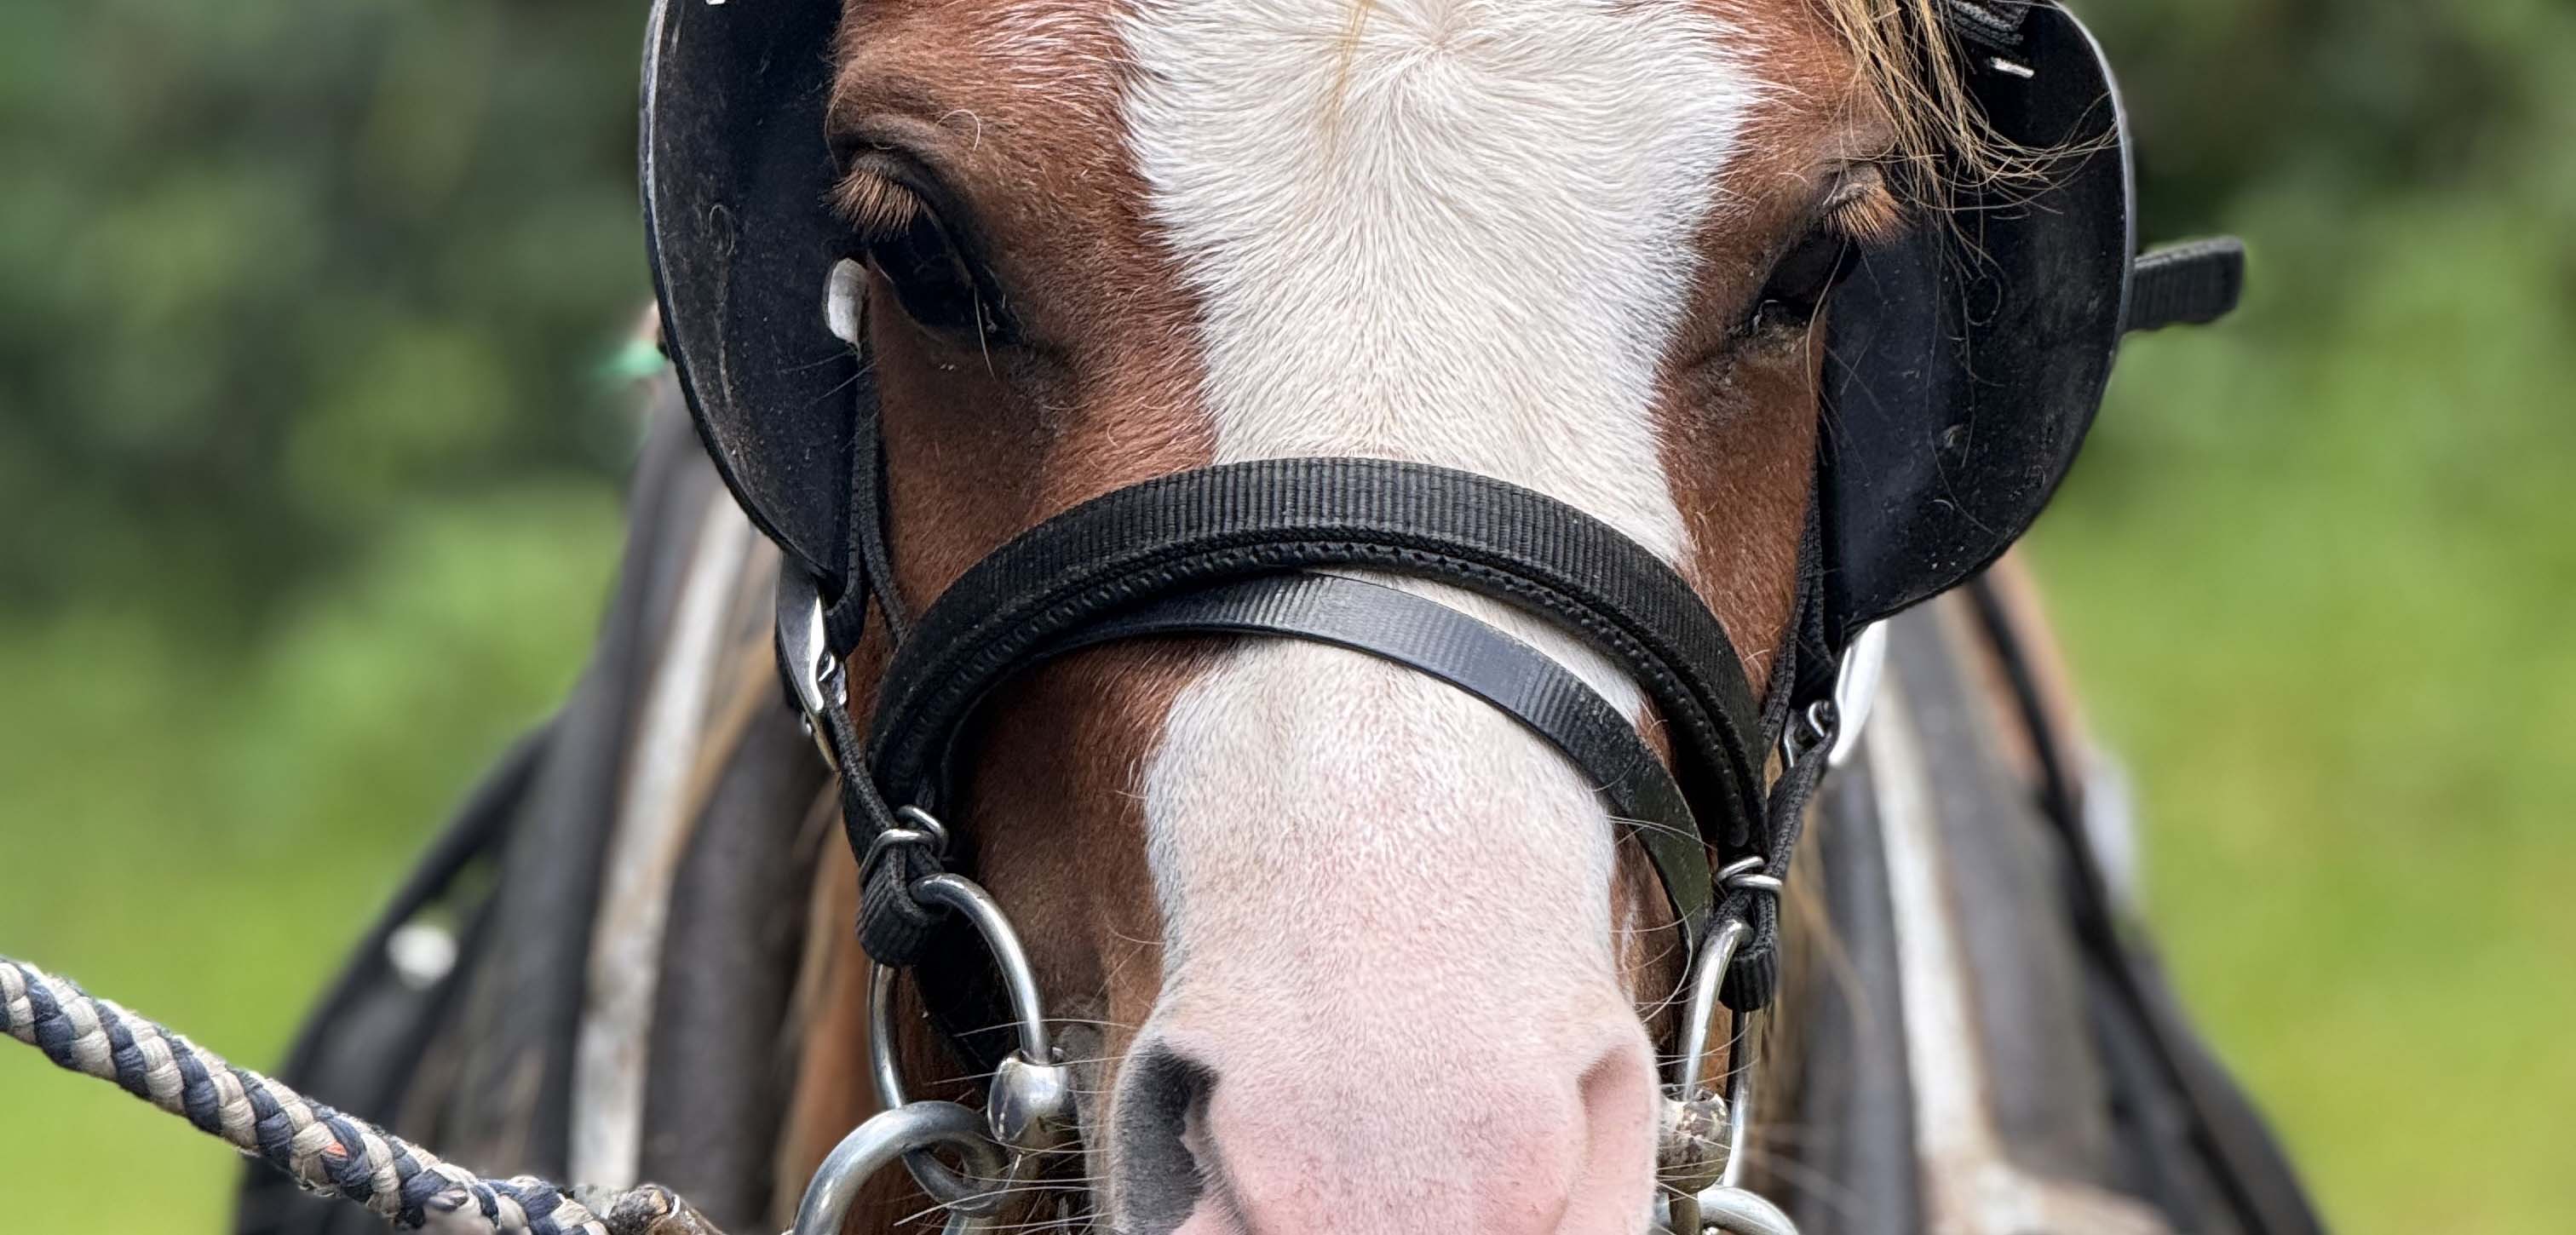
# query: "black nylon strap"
[[1802, 677], [1992, 24], [1755, 976], [1222, 524], [1432, 638], [869, 574], [2189, 284], [895, 927]]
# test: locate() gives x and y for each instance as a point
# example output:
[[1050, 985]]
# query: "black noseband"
[[1231, 550]]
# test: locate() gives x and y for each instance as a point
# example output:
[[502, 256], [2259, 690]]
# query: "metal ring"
[[907, 1132], [1699, 1012], [1746, 873], [1022, 1098], [924, 821], [1700, 1008], [1738, 1212], [882, 1064], [961, 894], [921, 828], [944, 1185], [964, 895], [889, 839], [1812, 730], [1726, 1205]]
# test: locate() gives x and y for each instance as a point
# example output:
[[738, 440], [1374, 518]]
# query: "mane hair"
[[1904, 55]]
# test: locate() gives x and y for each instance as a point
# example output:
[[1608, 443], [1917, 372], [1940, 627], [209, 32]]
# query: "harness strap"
[[1519, 680], [869, 574], [1222, 524], [1218, 550], [1798, 706], [2243, 1155], [2192, 283], [1992, 24], [895, 927]]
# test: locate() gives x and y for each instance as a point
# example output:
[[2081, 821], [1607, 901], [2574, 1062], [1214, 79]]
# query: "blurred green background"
[[310, 460]]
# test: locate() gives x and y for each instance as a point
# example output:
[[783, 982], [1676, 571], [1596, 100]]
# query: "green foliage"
[[202, 836], [308, 480], [307, 469], [2316, 568], [303, 263], [2318, 585]]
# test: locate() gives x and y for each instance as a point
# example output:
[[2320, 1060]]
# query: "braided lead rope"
[[323, 1150]]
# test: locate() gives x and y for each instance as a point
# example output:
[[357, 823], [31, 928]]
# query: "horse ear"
[[736, 177], [1965, 363]]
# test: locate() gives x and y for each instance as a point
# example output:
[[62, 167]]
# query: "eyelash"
[[1800, 281], [928, 278], [912, 252], [1805, 275]]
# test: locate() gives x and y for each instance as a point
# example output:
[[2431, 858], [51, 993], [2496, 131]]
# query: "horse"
[[1328, 943]]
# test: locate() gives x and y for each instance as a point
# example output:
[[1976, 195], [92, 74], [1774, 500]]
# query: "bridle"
[[2006, 325], [1030, 603], [1239, 550]]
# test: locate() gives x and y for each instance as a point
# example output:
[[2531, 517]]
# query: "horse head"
[[1342, 947]]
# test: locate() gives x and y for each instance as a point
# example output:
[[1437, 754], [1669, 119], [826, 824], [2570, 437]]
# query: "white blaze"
[[1457, 232], [1452, 231]]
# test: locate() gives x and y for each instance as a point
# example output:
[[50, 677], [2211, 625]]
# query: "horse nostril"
[[1162, 1100]]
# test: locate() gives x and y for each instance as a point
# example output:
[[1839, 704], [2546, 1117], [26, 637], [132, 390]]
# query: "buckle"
[[805, 658]]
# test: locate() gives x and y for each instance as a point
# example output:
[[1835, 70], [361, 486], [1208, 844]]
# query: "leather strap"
[[1803, 675], [2189, 284], [1992, 24], [1196, 529], [869, 572], [2253, 1171], [1431, 638], [1198, 552]]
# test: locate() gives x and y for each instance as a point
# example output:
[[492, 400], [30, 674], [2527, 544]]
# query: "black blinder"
[[1965, 364], [737, 177]]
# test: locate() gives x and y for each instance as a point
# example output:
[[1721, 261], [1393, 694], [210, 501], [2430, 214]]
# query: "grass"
[[2318, 595], [201, 839]]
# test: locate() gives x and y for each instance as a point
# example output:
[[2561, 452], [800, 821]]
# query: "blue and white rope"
[[325, 1151]]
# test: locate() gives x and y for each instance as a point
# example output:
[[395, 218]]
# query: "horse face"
[[1346, 949]]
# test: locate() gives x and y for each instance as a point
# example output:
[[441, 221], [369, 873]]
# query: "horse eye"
[[1799, 282], [929, 278]]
